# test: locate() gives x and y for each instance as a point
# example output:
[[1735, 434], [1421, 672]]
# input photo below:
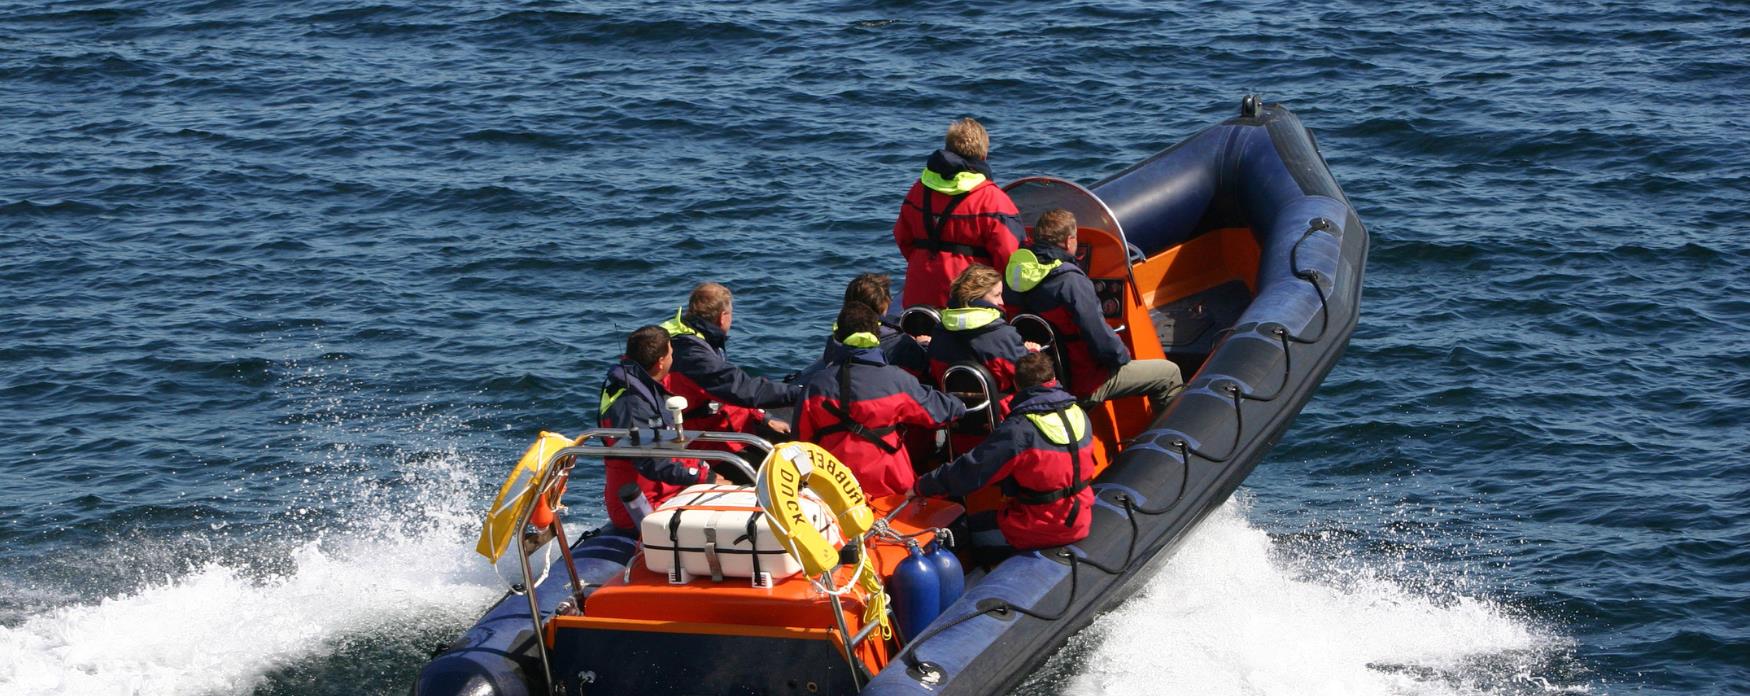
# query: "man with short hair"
[[633, 398], [720, 396], [856, 405], [1044, 279], [1043, 457], [954, 216]]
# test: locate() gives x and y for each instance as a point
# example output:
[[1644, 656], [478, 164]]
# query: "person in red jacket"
[[954, 216], [855, 407], [1043, 457], [1043, 279], [720, 396], [633, 397]]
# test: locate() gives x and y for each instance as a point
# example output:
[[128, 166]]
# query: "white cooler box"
[[717, 531]]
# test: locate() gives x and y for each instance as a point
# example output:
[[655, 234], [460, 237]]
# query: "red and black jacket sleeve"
[[987, 463]]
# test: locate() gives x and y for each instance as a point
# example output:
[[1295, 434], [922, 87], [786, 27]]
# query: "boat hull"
[[1261, 171]]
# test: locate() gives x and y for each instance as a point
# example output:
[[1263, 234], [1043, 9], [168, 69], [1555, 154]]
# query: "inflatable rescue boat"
[[1233, 253]]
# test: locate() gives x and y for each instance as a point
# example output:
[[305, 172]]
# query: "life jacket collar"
[[684, 324], [964, 182], [1051, 426], [838, 352], [862, 339], [678, 325], [631, 377], [1026, 271], [951, 174], [977, 316]]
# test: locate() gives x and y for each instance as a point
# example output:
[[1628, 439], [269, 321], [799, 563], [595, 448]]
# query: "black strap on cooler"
[[753, 544], [674, 537], [842, 411], [1028, 496], [933, 227]]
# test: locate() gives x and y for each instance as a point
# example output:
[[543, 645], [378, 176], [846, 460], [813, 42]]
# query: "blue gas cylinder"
[[916, 592], [949, 574]]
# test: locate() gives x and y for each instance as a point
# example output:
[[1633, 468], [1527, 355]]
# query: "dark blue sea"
[[285, 288]]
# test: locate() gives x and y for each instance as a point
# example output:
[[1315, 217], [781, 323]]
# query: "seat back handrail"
[[919, 321], [985, 386]]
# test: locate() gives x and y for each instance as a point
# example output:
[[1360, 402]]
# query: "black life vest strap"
[[952, 248], [842, 411], [1028, 496], [933, 224]]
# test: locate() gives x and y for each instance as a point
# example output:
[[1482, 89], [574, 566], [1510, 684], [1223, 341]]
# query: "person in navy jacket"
[[633, 397], [1043, 279], [954, 216], [973, 330], [856, 406], [720, 396], [1043, 457], [875, 291]]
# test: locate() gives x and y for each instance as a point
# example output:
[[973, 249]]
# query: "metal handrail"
[[906, 322], [986, 390], [630, 442]]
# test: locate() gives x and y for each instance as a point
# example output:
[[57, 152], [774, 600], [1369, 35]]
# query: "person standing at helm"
[[1044, 279], [1043, 457], [855, 407], [720, 396], [954, 216], [633, 398]]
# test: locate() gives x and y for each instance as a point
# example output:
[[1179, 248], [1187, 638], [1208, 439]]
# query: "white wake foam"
[[1228, 616], [220, 629]]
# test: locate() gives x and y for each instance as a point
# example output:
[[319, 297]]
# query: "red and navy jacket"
[[880, 398], [954, 216], [720, 396], [1042, 466], [977, 334], [1051, 285], [897, 348], [631, 399]]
